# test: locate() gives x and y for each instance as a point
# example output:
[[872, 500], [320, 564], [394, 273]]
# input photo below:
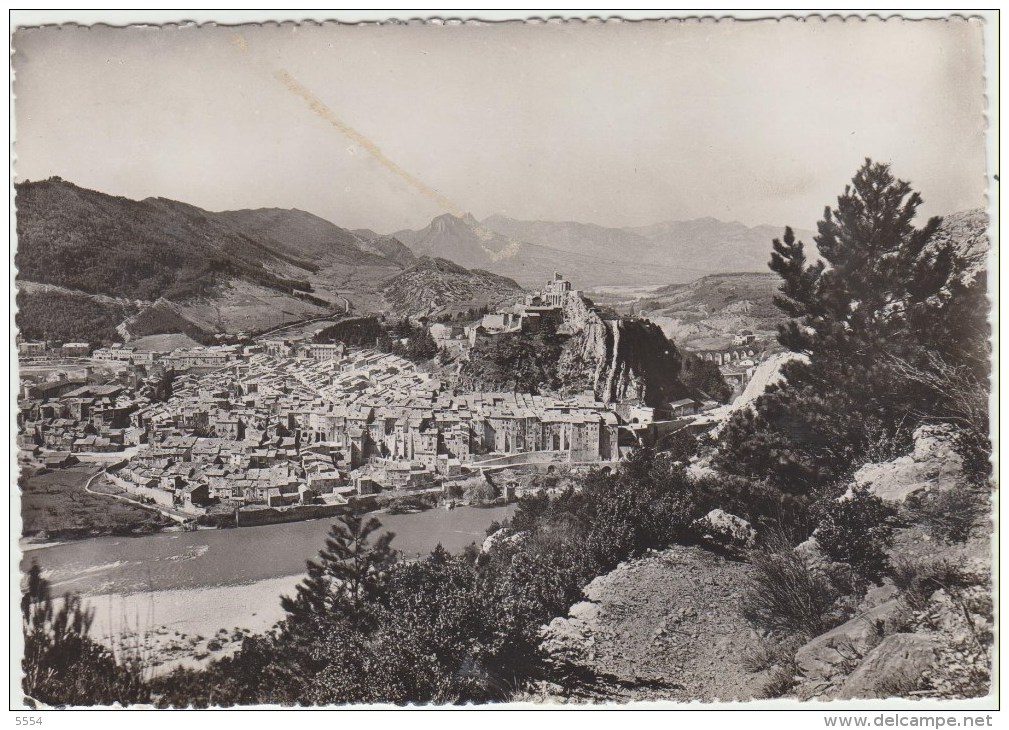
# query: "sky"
[[385, 127]]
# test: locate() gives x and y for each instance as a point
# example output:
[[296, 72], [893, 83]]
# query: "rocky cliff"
[[622, 359]]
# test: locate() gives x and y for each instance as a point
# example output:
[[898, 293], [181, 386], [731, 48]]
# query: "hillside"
[[706, 313], [968, 231], [388, 247], [100, 244], [47, 312], [472, 244], [241, 270], [703, 245], [302, 235], [433, 283]]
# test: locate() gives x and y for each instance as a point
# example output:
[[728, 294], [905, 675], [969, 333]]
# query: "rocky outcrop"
[[503, 536], [665, 626], [623, 359], [931, 633], [933, 464], [894, 664], [722, 530], [832, 656]]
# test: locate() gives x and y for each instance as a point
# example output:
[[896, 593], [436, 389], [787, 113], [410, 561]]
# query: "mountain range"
[[593, 255], [243, 270], [250, 270]]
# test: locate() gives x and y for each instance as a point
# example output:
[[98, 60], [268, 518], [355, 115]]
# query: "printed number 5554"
[[25, 720]]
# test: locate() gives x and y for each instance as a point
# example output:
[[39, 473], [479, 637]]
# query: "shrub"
[[855, 530], [784, 595], [919, 579], [951, 514]]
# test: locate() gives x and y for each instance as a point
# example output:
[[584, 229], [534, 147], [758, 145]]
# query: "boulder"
[[933, 464], [832, 655], [809, 550], [721, 529], [896, 662], [878, 595], [570, 639], [504, 536]]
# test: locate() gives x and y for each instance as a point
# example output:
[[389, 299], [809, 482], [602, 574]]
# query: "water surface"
[[214, 558]]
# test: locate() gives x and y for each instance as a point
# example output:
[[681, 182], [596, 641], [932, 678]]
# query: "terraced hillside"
[[434, 283]]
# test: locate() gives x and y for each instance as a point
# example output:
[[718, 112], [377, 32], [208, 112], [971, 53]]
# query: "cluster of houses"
[[287, 422], [285, 430], [186, 358], [75, 417]]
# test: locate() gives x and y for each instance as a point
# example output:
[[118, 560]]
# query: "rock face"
[[617, 360], [932, 465], [894, 664], [831, 656]]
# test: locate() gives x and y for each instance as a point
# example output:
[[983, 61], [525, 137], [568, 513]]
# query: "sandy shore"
[[28, 544], [177, 627]]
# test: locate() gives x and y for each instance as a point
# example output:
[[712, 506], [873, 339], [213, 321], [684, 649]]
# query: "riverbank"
[[189, 628], [57, 506], [79, 503], [176, 591]]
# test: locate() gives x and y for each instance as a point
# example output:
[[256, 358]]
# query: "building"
[[684, 407], [744, 338], [32, 349], [75, 349], [320, 351]]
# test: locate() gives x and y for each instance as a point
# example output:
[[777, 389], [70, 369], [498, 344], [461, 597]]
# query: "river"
[[192, 584]]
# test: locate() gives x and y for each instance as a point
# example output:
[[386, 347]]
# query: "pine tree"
[[880, 292], [876, 266], [349, 578]]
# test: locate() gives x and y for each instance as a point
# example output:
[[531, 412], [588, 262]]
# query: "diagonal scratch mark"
[[326, 113], [513, 247]]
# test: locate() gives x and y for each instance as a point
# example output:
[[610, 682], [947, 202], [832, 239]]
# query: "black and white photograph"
[[451, 361]]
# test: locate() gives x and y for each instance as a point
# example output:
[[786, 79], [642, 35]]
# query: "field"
[[241, 306], [55, 504], [163, 343]]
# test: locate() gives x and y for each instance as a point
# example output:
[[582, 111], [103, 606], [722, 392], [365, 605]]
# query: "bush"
[[919, 579], [856, 531], [785, 595], [952, 514]]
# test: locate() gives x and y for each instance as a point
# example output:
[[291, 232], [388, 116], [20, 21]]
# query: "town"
[[286, 422]]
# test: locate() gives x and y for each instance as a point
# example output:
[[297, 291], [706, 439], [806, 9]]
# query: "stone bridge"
[[727, 357]]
